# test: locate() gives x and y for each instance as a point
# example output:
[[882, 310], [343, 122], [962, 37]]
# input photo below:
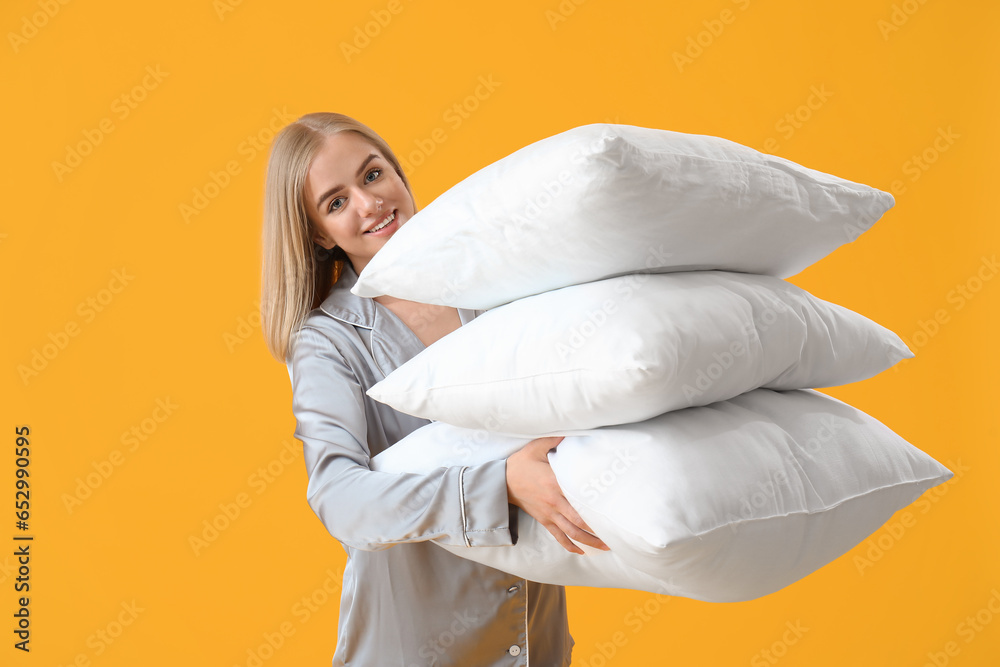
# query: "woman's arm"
[[370, 510]]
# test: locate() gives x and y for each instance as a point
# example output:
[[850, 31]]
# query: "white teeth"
[[378, 227]]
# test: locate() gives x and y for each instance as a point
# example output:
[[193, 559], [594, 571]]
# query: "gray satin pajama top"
[[405, 601]]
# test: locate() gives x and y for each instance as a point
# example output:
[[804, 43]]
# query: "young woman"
[[335, 193]]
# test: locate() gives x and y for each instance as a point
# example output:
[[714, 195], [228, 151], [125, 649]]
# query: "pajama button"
[[512, 589], [514, 650]]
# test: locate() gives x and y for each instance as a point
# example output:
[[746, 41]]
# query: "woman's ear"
[[321, 240]]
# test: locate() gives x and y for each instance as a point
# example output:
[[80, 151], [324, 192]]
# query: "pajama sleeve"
[[372, 510]]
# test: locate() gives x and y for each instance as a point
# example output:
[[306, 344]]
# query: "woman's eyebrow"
[[322, 198]]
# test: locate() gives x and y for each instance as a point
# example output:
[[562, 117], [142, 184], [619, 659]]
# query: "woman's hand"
[[532, 486]]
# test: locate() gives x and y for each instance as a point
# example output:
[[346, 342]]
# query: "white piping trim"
[[461, 498], [527, 649]]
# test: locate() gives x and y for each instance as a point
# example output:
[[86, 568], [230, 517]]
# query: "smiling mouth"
[[388, 220]]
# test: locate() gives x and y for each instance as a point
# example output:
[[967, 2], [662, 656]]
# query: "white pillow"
[[625, 349], [722, 503], [603, 200]]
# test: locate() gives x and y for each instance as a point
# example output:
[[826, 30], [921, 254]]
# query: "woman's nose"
[[367, 203]]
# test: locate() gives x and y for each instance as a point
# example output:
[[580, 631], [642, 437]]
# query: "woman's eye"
[[376, 172]]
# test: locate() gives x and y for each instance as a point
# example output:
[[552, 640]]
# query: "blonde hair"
[[294, 280]]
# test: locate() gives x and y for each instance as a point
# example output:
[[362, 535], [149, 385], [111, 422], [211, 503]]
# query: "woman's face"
[[351, 192]]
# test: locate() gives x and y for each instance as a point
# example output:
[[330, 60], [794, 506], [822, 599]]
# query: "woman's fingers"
[[574, 517], [565, 532], [562, 539], [540, 446], [575, 532]]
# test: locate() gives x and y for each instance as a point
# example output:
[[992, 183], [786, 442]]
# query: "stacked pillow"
[[723, 503], [626, 349], [603, 200], [637, 306]]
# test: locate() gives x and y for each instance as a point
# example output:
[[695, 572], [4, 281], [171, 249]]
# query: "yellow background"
[[869, 85]]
